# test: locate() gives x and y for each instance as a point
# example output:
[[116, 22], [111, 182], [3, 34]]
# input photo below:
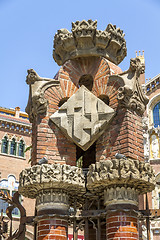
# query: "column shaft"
[[122, 225], [52, 228]]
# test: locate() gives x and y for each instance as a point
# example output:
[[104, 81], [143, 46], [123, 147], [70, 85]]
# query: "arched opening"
[[13, 147], [87, 81], [156, 115], [5, 145], [21, 148]]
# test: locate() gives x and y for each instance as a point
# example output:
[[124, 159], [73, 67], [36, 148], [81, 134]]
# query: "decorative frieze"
[[118, 172], [120, 195], [85, 40], [50, 199]]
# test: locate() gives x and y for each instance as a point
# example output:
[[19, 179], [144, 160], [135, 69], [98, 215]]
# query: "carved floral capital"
[[128, 172]]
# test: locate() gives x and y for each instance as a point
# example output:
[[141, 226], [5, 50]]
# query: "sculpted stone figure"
[[37, 104], [155, 146]]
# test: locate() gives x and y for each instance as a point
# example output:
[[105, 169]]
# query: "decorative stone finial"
[[85, 40]]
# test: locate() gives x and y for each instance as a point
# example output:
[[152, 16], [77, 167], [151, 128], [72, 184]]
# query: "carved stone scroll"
[[37, 104], [131, 94]]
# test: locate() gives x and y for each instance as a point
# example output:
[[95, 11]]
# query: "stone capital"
[[38, 178], [121, 172], [120, 195]]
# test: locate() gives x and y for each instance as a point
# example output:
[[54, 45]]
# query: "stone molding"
[[37, 104], [130, 94], [68, 178], [120, 172], [120, 195], [50, 199], [83, 118], [85, 40]]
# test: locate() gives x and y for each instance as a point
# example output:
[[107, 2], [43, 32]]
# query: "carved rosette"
[[121, 172], [85, 40], [36, 179]]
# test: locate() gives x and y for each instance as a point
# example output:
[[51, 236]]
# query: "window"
[[13, 147], [21, 149], [9, 186], [5, 145], [3, 204], [156, 115]]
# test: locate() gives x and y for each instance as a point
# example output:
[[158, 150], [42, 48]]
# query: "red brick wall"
[[124, 135]]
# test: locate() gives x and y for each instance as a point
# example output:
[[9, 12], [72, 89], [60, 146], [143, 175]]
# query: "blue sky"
[[27, 29]]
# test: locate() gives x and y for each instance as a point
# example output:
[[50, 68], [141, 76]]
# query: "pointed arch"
[[5, 144]]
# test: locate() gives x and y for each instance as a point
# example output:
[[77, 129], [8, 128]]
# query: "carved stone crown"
[[85, 40]]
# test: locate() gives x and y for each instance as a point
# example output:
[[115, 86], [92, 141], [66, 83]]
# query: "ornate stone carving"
[[117, 172], [145, 124], [37, 104], [50, 199], [86, 40], [119, 195], [83, 118], [130, 94], [68, 178], [154, 146]]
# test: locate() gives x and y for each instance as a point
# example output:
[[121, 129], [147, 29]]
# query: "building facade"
[[15, 137], [151, 133]]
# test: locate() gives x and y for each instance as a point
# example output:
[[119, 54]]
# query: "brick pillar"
[[52, 228], [122, 207], [50, 203], [122, 225]]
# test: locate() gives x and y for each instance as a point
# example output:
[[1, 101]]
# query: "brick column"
[[54, 187], [52, 210], [122, 207], [122, 181], [122, 225], [52, 228]]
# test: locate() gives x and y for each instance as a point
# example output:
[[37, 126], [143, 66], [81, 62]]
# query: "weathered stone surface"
[[83, 118], [131, 95], [37, 104], [51, 176], [131, 173], [120, 195], [85, 40], [51, 199]]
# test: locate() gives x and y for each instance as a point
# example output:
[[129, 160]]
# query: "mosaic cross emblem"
[[83, 118]]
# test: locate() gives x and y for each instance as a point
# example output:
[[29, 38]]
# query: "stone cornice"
[[85, 40], [17, 126]]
